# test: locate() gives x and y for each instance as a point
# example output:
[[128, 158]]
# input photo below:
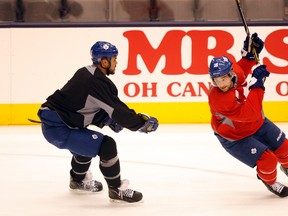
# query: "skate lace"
[[277, 187], [126, 193], [89, 184]]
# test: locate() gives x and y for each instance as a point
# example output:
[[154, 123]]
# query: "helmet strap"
[[234, 79], [105, 64]]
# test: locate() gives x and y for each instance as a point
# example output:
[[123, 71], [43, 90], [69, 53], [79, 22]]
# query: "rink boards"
[[162, 71]]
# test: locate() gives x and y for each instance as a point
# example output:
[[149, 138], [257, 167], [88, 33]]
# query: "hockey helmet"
[[220, 67], [103, 49]]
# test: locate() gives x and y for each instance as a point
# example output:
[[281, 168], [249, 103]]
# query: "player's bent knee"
[[108, 148]]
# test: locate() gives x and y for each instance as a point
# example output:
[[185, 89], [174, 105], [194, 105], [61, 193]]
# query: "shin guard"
[[109, 162]]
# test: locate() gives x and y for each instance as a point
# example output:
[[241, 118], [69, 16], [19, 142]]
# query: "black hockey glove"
[[258, 77], [250, 43], [113, 125], [151, 123]]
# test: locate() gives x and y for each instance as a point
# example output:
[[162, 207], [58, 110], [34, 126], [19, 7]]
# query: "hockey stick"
[[34, 121], [247, 31]]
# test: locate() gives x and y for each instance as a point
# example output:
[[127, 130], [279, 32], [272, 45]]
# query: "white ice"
[[180, 169]]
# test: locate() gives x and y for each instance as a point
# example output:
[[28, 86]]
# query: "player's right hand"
[[250, 43], [112, 125]]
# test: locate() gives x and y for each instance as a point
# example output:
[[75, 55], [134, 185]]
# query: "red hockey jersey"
[[235, 116]]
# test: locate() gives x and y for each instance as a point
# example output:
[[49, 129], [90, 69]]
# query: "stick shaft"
[[246, 29]]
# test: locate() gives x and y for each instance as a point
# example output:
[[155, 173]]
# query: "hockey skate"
[[87, 185], [277, 188], [124, 194], [285, 170]]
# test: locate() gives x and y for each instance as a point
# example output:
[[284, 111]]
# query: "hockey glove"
[[113, 125], [258, 77], [250, 43], [151, 123]]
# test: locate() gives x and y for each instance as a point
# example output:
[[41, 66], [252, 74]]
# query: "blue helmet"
[[103, 49], [220, 67]]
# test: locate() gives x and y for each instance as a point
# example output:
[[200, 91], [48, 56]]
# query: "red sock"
[[282, 154], [266, 167]]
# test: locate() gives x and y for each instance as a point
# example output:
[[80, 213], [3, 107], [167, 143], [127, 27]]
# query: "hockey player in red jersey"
[[238, 119]]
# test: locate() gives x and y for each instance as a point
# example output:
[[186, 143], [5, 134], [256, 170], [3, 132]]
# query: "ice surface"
[[180, 169]]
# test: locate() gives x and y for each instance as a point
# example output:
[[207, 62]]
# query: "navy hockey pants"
[[249, 149], [83, 141]]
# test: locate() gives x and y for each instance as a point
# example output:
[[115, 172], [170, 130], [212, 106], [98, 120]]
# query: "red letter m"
[[171, 47]]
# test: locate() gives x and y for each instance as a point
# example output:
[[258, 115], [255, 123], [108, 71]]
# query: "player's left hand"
[[150, 125], [115, 127], [259, 77], [250, 43]]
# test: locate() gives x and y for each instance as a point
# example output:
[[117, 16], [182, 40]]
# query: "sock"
[[111, 171], [267, 167], [282, 154]]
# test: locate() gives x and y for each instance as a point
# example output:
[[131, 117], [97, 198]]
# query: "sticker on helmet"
[[105, 46]]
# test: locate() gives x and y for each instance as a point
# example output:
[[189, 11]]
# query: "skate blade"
[[77, 191], [125, 202]]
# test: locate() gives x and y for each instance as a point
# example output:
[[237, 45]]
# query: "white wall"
[[37, 61]]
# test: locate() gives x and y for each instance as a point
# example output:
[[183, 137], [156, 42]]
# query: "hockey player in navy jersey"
[[91, 98]]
